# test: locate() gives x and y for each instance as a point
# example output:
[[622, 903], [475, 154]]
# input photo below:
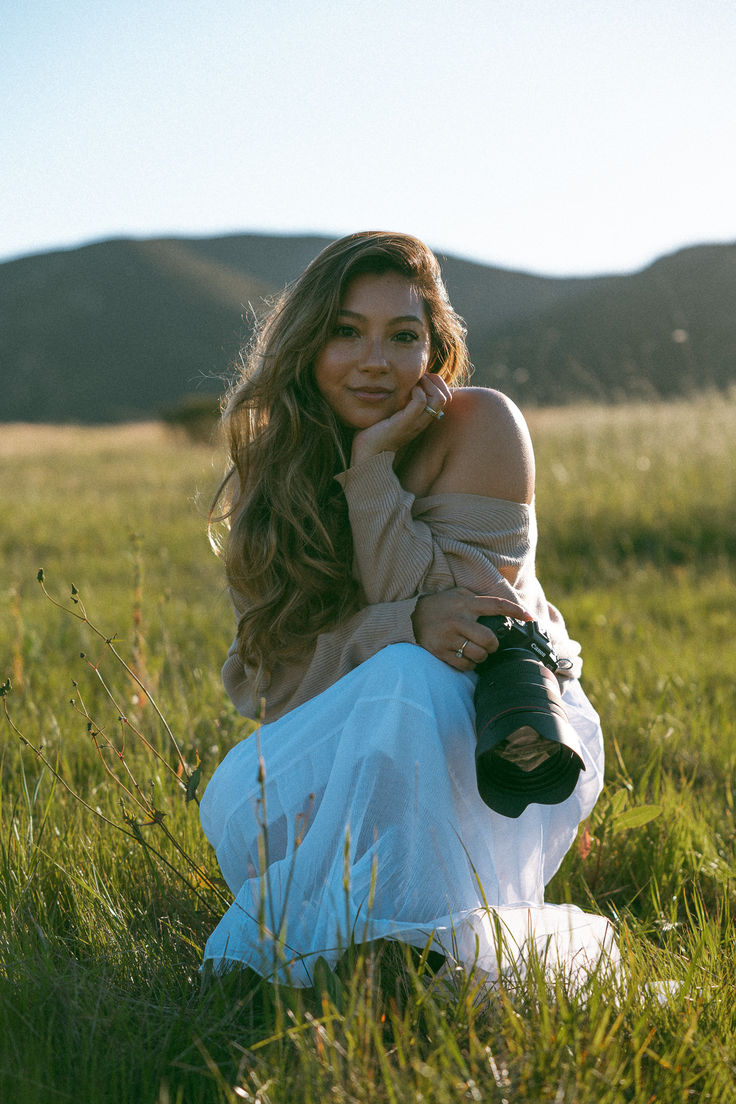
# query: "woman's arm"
[[435, 622], [485, 450], [393, 552], [334, 654]]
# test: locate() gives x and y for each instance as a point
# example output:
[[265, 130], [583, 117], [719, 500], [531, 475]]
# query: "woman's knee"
[[408, 672], [408, 660]]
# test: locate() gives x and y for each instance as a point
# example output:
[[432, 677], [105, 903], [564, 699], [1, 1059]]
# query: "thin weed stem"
[[81, 615]]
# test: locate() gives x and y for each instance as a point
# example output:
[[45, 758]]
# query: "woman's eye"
[[406, 336], [344, 330]]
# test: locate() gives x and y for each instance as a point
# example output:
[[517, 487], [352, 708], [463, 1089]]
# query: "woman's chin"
[[363, 419]]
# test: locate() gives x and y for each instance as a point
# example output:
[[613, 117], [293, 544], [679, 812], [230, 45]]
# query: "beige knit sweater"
[[406, 547]]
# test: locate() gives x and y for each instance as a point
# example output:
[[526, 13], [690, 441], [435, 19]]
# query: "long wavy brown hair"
[[288, 552]]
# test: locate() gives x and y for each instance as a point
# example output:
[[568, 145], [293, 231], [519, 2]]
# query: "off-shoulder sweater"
[[406, 547]]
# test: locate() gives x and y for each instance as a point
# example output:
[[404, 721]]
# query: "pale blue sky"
[[558, 136]]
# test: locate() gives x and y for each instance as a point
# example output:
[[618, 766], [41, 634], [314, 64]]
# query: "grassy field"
[[100, 998]]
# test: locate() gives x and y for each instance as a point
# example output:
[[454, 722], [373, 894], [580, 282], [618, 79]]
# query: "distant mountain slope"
[[668, 330], [121, 329], [115, 331]]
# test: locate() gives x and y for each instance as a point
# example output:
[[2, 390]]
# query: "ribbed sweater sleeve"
[[335, 654], [405, 546]]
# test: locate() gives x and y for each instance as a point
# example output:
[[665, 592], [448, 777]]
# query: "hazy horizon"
[[547, 137]]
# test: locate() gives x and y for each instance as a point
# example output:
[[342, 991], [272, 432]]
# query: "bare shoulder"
[[488, 449]]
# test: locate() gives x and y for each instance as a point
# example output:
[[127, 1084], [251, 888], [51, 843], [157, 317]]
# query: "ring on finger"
[[434, 413], [461, 650]]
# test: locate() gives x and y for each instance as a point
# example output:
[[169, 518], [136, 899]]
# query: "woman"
[[377, 509]]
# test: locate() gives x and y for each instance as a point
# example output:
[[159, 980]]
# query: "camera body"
[[526, 750], [524, 635]]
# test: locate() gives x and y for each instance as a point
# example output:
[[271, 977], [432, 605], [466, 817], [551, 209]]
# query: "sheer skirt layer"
[[367, 824]]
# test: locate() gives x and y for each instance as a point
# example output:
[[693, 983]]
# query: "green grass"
[[100, 997]]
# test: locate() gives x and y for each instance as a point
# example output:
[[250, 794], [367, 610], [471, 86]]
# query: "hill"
[[121, 329]]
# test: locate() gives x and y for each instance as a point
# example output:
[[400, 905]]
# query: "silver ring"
[[461, 650], [435, 413]]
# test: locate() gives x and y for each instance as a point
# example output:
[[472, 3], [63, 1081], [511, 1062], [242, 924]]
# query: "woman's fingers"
[[393, 433], [469, 654], [436, 392], [427, 402], [482, 641], [447, 625], [486, 605], [438, 620]]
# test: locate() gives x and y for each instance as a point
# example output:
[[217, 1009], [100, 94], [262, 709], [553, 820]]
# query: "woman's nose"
[[374, 355]]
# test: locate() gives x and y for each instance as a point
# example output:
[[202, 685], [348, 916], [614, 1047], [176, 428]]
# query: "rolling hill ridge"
[[120, 330]]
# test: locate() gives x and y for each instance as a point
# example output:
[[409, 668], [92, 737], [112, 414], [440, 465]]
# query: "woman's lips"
[[369, 395]]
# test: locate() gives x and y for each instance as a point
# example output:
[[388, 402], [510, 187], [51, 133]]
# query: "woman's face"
[[378, 351]]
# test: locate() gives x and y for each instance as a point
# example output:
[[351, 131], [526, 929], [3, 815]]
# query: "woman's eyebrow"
[[398, 318]]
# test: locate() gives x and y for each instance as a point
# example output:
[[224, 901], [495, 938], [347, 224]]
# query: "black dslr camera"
[[526, 750], [525, 635]]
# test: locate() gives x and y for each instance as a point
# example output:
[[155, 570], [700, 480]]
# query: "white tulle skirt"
[[357, 817]]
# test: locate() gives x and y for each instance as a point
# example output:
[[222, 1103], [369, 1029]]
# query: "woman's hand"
[[391, 434], [447, 623]]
